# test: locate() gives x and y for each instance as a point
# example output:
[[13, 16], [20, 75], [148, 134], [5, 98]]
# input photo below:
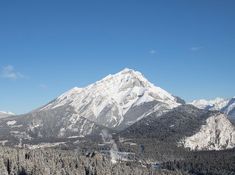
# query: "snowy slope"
[[56, 123], [116, 101], [4, 114], [218, 133], [110, 101], [215, 104], [229, 109]]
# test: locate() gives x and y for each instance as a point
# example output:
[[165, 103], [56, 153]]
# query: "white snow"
[[62, 132], [10, 123], [21, 135], [220, 104], [9, 113], [16, 126], [74, 137], [65, 98], [215, 104], [157, 108], [116, 93], [14, 132], [230, 108], [4, 114], [218, 133], [130, 143], [3, 142], [35, 124], [44, 145]]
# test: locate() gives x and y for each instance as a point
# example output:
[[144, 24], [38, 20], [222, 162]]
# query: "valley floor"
[[54, 161], [15, 161]]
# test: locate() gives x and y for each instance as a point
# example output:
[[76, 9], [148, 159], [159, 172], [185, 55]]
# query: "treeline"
[[62, 162], [205, 162]]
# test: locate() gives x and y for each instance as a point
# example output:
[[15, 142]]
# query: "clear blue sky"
[[47, 47]]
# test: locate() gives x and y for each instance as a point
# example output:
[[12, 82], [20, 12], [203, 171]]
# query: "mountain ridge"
[[118, 103], [115, 102], [4, 114], [114, 95], [186, 126], [226, 106]]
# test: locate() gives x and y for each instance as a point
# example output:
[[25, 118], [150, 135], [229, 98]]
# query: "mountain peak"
[[125, 75], [110, 100], [130, 80], [126, 70], [129, 72]]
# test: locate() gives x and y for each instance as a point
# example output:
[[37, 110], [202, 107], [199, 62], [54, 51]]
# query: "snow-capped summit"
[[116, 100], [226, 106]]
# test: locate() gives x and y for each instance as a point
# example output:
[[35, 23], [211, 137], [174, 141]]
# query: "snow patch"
[[44, 145], [3, 142], [10, 123]]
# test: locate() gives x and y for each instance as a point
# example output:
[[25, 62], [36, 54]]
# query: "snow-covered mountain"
[[5, 114], [216, 134], [185, 126], [214, 104], [229, 109], [56, 123], [116, 101], [226, 106], [129, 103]]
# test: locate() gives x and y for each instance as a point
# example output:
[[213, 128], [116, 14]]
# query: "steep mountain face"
[[171, 126], [186, 126], [226, 106], [229, 109], [5, 114], [116, 101]]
